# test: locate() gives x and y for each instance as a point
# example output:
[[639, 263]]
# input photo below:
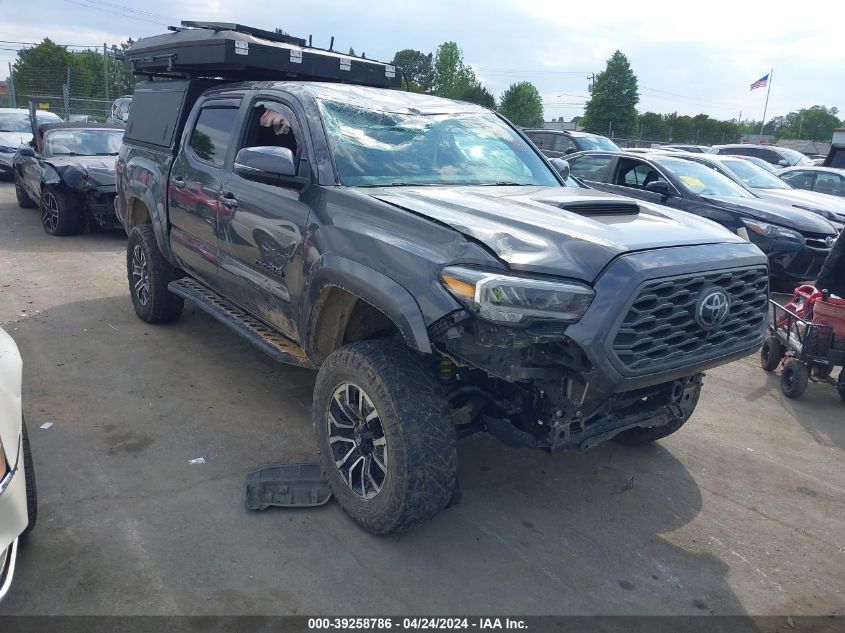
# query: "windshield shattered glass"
[[378, 148]]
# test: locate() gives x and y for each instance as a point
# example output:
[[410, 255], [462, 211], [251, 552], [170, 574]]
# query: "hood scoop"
[[596, 207]]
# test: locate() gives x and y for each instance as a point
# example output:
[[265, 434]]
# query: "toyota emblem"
[[829, 241], [713, 308]]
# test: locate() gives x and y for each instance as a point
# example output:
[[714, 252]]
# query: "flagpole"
[[766, 107]]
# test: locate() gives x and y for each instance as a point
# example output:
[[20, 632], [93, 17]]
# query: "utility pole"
[[800, 123], [106, 71]]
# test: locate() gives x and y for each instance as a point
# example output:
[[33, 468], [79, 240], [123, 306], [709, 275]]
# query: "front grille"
[[660, 330]]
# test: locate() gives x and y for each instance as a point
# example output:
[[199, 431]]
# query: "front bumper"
[[790, 260], [101, 207]]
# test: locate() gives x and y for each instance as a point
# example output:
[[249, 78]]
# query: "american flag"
[[760, 83]]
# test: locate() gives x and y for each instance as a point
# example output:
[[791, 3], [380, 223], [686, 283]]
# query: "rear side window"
[[799, 179], [829, 183], [212, 134], [590, 167], [542, 140], [156, 114]]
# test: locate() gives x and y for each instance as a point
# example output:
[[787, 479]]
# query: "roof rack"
[[225, 50]]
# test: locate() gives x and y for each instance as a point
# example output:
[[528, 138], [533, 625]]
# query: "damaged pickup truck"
[[68, 171], [443, 276]]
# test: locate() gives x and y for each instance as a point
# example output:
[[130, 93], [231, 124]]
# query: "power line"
[[123, 14]]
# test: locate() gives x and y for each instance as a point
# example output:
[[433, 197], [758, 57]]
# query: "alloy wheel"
[[50, 212], [140, 275], [357, 440]]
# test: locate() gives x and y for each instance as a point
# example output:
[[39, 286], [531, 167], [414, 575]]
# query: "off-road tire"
[[642, 435], [66, 217], [771, 353], [794, 379], [29, 478], [420, 434], [24, 201], [158, 304]]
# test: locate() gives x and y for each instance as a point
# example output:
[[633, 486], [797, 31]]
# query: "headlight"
[[772, 231], [508, 299]]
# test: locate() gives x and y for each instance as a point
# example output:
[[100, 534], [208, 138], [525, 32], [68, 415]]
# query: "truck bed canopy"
[[242, 53]]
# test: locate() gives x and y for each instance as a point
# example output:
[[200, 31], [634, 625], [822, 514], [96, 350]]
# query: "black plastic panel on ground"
[[660, 331]]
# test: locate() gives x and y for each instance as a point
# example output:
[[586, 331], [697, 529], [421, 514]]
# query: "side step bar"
[[267, 340]]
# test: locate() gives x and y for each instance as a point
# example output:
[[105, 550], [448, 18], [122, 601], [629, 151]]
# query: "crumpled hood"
[[100, 169], [14, 139], [527, 228], [779, 213], [807, 200]]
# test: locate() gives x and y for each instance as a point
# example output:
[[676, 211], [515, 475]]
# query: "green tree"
[[452, 78], [418, 67], [41, 71], [652, 126], [522, 104], [480, 95], [613, 102]]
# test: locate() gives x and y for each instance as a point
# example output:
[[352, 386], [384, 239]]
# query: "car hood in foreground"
[[833, 206], [780, 213], [100, 170], [530, 228]]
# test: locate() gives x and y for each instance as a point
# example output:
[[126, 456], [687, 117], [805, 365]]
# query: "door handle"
[[178, 182], [229, 201]]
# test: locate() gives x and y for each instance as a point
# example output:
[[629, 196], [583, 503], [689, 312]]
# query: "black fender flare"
[[375, 288]]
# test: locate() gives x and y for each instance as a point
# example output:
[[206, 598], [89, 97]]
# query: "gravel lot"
[[742, 511]]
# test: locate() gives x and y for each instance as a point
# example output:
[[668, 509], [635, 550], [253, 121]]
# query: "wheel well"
[[138, 214], [340, 317]]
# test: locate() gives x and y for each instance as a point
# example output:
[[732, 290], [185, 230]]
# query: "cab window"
[[212, 133], [272, 124], [637, 175]]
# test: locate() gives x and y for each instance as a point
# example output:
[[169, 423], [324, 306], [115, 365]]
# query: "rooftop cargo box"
[[237, 52]]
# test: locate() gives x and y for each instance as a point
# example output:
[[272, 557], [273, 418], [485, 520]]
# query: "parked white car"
[[17, 479]]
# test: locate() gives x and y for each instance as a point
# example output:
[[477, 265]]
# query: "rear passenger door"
[[195, 183]]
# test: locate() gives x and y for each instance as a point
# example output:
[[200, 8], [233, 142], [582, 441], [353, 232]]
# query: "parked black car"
[[559, 143], [68, 170], [781, 156], [427, 259], [768, 186], [795, 241]]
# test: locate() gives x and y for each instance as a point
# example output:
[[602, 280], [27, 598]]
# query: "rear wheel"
[[149, 273], [24, 201], [61, 212], [793, 381], [29, 477], [771, 353], [386, 438]]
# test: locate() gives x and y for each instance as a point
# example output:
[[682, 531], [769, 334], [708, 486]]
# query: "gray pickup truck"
[[443, 276]]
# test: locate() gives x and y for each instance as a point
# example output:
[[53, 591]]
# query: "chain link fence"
[[82, 92]]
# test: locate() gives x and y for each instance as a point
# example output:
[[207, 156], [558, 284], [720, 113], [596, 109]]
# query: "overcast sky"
[[688, 57]]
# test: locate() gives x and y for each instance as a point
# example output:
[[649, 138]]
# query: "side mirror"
[[783, 163], [26, 150], [571, 150], [561, 167], [268, 164], [125, 116], [659, 187]]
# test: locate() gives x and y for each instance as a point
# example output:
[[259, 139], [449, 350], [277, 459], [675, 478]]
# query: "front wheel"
[[386, 437], [61, 212], [149, 273], [29, 479]]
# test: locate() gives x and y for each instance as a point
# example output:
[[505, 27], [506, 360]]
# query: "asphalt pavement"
[[740, 512]]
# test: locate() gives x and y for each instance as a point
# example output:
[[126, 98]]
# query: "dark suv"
[[432, 264], [781, 156], [559, 143]]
